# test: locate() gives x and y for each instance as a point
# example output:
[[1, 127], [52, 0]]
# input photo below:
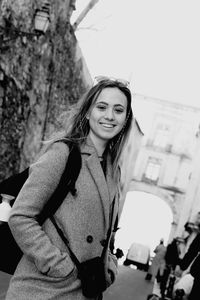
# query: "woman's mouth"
[[107, 125]]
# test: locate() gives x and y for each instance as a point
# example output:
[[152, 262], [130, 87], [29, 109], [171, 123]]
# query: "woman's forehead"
[[112, 95]]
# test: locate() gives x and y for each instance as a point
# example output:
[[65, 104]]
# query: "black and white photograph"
[[99, 150]]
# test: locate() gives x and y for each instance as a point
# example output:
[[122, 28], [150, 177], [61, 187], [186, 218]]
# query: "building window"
[[152, 169], [161, 138]]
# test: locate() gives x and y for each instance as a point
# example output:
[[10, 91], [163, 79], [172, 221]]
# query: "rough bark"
[[39, 78]]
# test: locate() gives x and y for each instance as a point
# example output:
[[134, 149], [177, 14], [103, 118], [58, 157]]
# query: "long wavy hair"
[[76, 125]]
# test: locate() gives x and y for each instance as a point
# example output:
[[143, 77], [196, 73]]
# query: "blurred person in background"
[[158, 262]]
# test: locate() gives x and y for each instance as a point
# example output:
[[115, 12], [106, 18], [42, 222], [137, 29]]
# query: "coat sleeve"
[[34, 242]]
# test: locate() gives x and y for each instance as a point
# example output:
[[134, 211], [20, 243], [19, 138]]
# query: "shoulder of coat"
[[55, 150]]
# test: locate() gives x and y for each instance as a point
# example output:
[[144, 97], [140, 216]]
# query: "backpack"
[[10, 253]]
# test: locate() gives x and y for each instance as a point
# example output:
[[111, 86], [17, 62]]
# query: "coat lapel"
[[112, 185], [106, 187]]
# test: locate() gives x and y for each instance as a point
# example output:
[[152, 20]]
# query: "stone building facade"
[[166, 165]]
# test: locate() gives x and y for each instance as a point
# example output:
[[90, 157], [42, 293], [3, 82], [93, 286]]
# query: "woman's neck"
[[100, 151], [100, 146]]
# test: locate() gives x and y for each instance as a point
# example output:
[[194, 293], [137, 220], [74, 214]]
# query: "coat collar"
[[106, 186]]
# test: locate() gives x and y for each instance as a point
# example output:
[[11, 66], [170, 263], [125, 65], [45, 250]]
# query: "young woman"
[[99, 126]]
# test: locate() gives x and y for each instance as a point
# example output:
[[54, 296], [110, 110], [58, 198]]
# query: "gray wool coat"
[[46, 270]]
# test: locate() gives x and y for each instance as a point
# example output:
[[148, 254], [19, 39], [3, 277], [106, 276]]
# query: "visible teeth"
[[108, 125]]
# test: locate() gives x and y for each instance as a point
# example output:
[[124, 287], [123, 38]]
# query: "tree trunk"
[[40, 77]]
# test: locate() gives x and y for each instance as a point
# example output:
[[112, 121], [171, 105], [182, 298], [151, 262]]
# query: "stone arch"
[[159, 192]]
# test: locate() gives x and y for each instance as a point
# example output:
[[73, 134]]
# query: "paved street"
[[130, 285]]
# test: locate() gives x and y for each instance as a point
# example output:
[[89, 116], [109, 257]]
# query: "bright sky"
[[153, 43]]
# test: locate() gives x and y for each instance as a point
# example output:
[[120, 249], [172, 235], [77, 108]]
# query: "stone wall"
[[39, 78]]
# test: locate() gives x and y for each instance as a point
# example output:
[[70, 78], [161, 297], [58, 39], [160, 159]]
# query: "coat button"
[[89, 239], [103, 242]]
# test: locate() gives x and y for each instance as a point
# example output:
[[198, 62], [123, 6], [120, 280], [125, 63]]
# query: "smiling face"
[[107, 117]]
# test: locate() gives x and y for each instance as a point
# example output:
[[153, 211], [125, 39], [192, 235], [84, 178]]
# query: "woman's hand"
[[178, 272]]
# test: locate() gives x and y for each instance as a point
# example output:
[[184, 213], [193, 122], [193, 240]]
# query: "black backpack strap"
[[109, 229], [65, 240], [72, 255], [66, 184]]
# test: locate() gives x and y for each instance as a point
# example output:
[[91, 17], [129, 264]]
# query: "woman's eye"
[[119, 110], [101, 107]]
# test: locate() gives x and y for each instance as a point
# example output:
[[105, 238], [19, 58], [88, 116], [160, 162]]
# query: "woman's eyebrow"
[[119, 104], [106, 103], [102, 102]]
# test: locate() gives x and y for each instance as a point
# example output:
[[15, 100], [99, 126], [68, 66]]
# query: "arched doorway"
[[145, 219]]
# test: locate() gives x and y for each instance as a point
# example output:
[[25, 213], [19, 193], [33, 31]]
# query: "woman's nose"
[[109, 114]]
